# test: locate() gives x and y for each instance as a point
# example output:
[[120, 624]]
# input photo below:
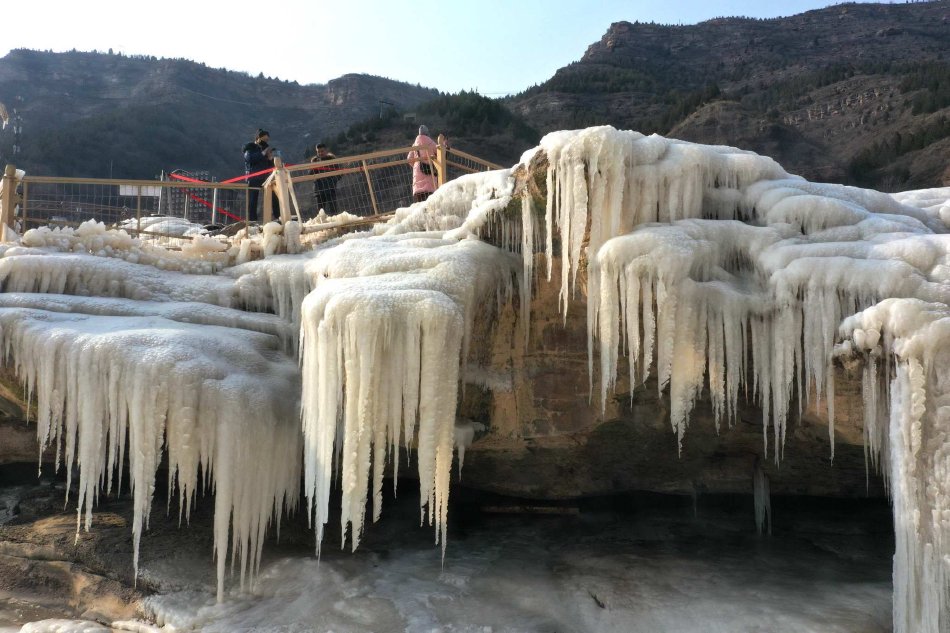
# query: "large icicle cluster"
[[381, 355], [726, 274], [905, 344], [385, 320], [123, 351], [708, 255], [130, 360], [151, 382]]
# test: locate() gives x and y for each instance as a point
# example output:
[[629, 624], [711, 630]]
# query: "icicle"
[[527, 259], [763, 503]]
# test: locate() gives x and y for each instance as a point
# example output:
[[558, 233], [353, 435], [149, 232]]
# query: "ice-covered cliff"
[[710, 268]]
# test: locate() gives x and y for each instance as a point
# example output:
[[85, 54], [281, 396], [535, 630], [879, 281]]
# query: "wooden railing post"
[[369, 185], [268, 206], [8, 197], [138, 210], [24, 206], [440, 159], [279, 183]]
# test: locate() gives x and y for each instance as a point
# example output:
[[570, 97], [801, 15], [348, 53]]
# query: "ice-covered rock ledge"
[[704, 269]]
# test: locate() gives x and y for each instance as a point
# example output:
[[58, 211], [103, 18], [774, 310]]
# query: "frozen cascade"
[[709, 266], [26, 270], [100, 382], [131, 339], [718, 269], [381, 354], [905, 345], [743, 234], [385, 329]]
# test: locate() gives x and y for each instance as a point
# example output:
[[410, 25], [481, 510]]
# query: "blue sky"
[[494, 46]]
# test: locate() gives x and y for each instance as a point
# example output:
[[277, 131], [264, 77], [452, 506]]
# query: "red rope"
[[201, 200], [246, 176], [210, 206]]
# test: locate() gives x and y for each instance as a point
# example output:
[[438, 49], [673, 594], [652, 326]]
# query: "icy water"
[[648, 568]]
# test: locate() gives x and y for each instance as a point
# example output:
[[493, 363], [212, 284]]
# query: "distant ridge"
[[853, 92], [82, 112]]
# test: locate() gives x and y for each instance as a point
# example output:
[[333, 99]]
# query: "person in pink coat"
[[423, 184]]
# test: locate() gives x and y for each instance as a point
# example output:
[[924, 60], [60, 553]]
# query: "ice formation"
[[65, 626], [121, 348], [149, 382], [708, 267], [381, 353], [718, 269], [163, 225], [906, 347]]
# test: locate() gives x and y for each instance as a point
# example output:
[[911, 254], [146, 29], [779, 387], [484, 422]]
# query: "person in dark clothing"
[[324, 189], [257, 157]]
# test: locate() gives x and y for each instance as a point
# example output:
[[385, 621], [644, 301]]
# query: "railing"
[[141, 207], [368, 185]]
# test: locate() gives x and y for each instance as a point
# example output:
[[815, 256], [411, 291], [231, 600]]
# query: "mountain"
[[853, 92], [92, 114], [472, 123], [856, 93]]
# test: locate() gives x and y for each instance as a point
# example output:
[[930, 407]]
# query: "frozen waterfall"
[[709, 267]]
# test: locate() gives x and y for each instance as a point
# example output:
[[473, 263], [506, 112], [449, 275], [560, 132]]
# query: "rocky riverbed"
[[643, 562]]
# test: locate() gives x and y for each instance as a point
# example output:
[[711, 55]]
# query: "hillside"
[[855, 93], [472, 123], [818, 91], [89, 114]]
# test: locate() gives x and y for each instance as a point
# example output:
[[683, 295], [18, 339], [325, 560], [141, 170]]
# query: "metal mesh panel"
[[361, 186], [161, 211], [365, 185]]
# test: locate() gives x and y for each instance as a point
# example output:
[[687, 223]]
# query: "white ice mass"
[[710, 267]]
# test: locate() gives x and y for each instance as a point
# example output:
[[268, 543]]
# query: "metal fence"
[[362, 185], [375, 183], [160, 210], [366, 185]]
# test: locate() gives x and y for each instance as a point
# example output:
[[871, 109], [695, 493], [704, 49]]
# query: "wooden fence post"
[[138, 211], [440, 159], [8, 199], [369, 185], [268, 207], [24, 201]]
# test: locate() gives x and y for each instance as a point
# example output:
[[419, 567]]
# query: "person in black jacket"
[[258, 156], [324, 189]]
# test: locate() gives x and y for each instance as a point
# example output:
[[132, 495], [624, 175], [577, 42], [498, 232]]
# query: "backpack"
[[424, 165]]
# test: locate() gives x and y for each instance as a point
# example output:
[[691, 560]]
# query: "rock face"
[[547, 438], [17, 437], [46, 569]]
